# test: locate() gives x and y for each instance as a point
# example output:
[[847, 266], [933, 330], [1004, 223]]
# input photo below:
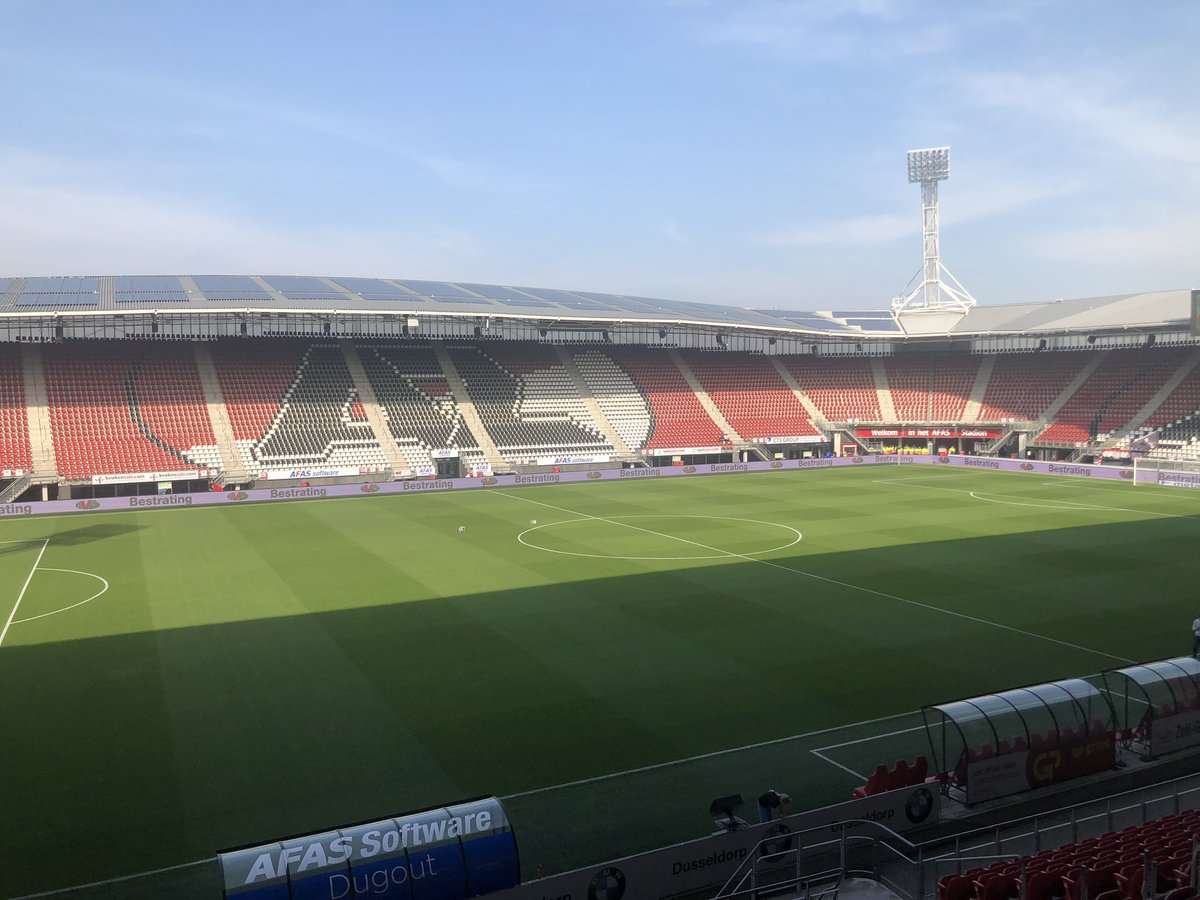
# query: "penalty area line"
[[834, 762], [21, 596]]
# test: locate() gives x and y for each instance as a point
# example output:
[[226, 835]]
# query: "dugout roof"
[[166, 294], [1166, 687], [1040, 714]]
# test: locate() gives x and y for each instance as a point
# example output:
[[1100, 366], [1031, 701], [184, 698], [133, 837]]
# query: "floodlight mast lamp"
[[927, 168]]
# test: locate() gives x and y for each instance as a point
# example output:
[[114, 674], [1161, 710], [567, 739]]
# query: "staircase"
[[585, 394], [883, 389], [375, 414], [706, 401], [15, 489], [979, 389], [818, 418], [1052, 411], [233, 470], [43, 466], [467, 408]]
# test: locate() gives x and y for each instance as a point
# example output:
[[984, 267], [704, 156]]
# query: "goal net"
[[1183, 473]]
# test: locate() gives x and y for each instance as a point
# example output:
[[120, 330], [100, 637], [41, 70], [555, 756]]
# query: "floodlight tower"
[[935, 294]]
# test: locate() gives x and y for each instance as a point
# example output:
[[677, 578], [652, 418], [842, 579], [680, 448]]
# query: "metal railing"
[[806, 861], [16, 488]]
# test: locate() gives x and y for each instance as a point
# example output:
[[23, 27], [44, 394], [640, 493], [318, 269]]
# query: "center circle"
[[690, 549]]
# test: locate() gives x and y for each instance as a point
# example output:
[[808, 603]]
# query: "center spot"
[[660, 537]]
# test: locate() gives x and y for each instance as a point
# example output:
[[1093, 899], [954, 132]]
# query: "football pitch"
[[607, 658]]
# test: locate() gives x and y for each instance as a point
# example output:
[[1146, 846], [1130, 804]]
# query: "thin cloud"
[[990, 196], [822, 30], [51, 229], [1133, 123]]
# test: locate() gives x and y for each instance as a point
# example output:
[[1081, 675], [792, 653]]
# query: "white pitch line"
[[687, 759], [92, 884], [877, 737], [856, 587], [55, 612], [834, 762], [24, 588], [1038, 502]]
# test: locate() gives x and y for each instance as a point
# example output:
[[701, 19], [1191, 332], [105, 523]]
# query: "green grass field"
[[257, 671]]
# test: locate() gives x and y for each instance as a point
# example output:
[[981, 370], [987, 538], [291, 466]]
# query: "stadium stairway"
[[818, 417], [979, 388], [887, 408], [1050, 412], [233, 470], [624, 451], [705, 400], [370, 404], [467, 408], [43, 466]]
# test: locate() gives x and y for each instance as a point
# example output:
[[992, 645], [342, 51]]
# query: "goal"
[[1184, 473]]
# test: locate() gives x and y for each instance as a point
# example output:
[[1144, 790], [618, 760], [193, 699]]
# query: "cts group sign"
[[447, 853]]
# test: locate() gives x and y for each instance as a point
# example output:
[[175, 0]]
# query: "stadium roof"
[[169, 294]]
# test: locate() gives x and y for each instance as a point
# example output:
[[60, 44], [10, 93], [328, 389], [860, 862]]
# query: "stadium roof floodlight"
[[938, 301], [929, 165]]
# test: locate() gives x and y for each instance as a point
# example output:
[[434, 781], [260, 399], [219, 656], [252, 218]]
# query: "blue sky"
[[740, 151]]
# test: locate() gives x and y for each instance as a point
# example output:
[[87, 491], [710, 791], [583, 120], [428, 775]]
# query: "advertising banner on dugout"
[[1012, 773], [446, 853]]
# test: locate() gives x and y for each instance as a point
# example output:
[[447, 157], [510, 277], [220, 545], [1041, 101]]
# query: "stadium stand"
[[418, 404], [931, 387], [293, 404], [526, 401], [118, 408], [1111, 866], [1123, 383], [1023, 386], [843, 389], [15, 454], [678, 418], [620, 399], [751, 395]]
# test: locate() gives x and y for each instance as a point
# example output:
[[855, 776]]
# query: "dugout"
[[1000, 744], [1157, 704]]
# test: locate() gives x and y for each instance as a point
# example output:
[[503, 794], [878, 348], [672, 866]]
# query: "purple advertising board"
[[434, 485]]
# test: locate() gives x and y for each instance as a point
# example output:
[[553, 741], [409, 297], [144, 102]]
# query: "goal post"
[[1183, 473]]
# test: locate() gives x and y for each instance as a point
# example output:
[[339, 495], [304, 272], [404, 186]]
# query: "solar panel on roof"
[[874, 324], [314, 295], [227, 285], [371, 287], [303, 285], [553, 295], [146, 284], [152, 297], [526, 301], [222, 296], [436, 289], [62, 285], [463, 299], [496, 292], [51, 300], [611, 299]]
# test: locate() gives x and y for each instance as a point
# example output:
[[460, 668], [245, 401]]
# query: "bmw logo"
[[919, 806], [609, 884]]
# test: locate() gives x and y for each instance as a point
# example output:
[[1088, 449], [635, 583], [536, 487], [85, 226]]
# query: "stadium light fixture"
[[938, 291]]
